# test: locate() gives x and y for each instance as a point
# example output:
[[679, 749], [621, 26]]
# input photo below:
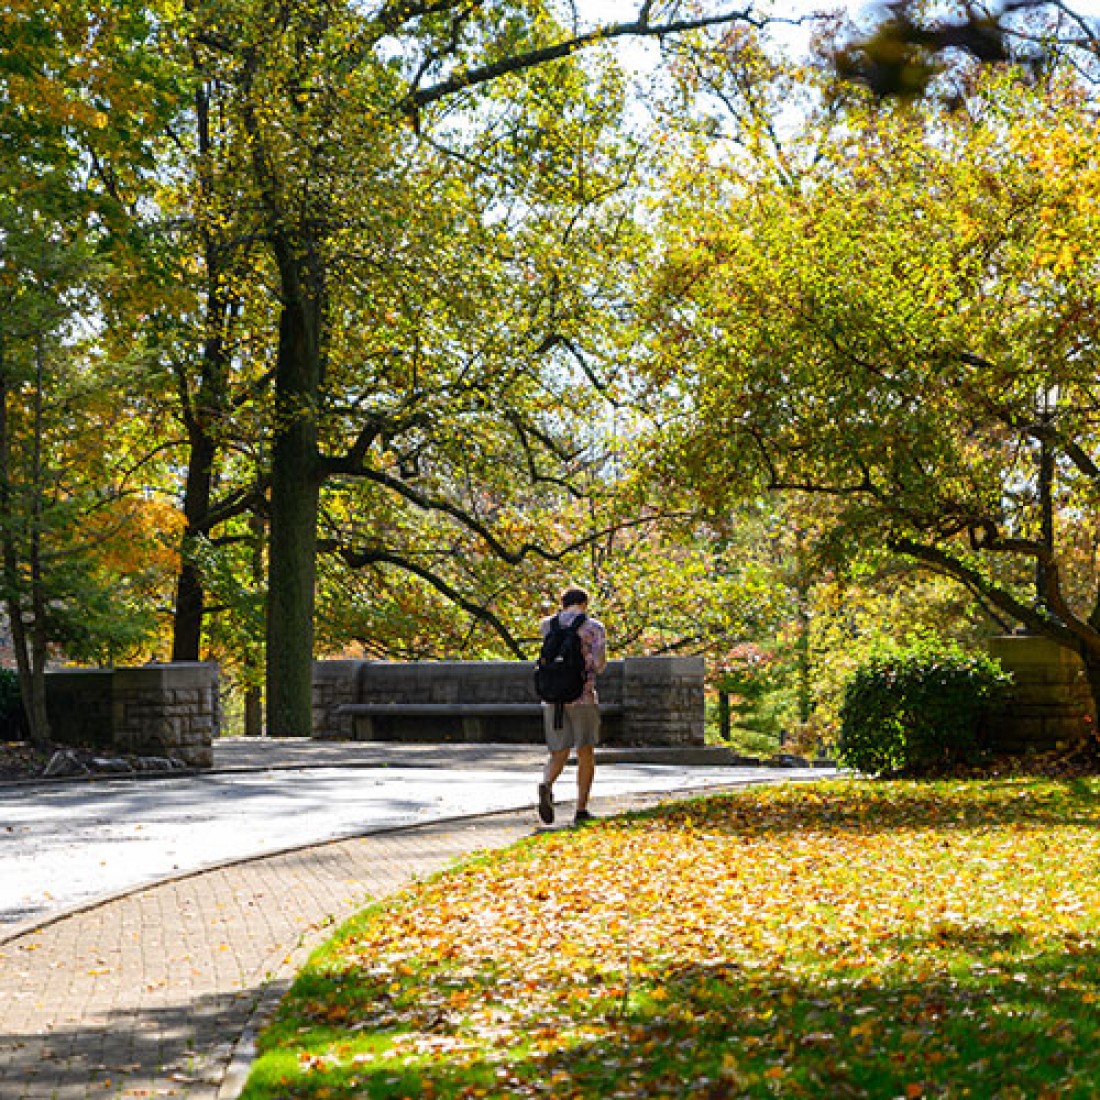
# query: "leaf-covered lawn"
[[840, 940]]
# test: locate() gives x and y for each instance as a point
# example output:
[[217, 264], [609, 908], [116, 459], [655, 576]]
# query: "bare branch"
[[524, 433], [1080, 458], [357, 559], [641, 27], [236, 504], [1088, 36], [352, 461], [478, 527], [1067, 628], [780, 486]]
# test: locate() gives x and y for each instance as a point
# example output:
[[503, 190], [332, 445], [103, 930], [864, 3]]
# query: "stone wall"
[[649, 700], [663, 700], [170, 710], [334, 683], [1050, 704]]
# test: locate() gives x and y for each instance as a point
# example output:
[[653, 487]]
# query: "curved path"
[[148, 993]]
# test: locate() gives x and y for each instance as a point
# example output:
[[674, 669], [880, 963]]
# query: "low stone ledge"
[[647, 700]]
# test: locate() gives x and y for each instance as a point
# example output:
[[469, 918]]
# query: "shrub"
[[12, 726], [916, 709]]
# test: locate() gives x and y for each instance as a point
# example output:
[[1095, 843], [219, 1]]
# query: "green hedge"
[[916, 709]]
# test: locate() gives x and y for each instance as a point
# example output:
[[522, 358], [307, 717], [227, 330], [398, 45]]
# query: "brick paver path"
[[148, 995]]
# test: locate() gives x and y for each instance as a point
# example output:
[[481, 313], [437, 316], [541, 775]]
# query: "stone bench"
[[471, 714], [645, 701]]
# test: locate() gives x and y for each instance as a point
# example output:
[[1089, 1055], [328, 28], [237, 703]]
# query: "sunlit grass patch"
[[848, 939]]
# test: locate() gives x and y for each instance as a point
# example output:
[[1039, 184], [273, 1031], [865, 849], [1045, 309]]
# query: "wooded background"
[[333, 327]]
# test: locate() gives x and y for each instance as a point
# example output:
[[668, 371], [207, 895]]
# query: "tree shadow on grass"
[[959, 1009]]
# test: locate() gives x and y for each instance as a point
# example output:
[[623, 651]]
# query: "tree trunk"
[[37, 713], [292, 546], [35, 706], [253, 712], [13, 602], [254, 697], [207, 407], [190, 593], [802, 644]]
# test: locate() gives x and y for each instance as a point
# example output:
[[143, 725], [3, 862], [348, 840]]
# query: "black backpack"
[[560, 674]]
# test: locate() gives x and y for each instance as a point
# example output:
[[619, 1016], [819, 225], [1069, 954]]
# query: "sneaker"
[[546, 804], [583, 817]]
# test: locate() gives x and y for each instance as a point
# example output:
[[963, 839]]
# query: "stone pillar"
[[334, 683], [79, 703], [1050, 704], [170, 710], [663, 701]]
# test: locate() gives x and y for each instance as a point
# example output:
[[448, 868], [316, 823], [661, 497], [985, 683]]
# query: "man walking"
[[577, 724]]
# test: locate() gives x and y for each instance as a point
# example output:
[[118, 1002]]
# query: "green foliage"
[[872, 600], [745, 741], [911, 709], [754, 686], [11, 706], [863, 316], [93, 622]]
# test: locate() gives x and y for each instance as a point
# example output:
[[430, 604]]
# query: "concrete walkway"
[[68, 844], [153, 993]]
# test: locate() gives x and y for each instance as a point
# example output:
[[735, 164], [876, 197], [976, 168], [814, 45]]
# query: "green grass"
[[746, 741], [842, 940]]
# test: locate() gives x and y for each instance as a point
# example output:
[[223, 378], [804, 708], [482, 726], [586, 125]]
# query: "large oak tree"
[[335, 103], [902, 319]]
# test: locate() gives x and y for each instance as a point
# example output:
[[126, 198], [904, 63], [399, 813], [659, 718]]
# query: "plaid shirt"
[[594, 644]]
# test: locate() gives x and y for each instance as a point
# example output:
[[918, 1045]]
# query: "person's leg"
[[555, 765], [553, 769], [586, 770], [586, 720], [558, 742]]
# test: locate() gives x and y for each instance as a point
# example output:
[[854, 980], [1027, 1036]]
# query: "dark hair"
[[573, 596]]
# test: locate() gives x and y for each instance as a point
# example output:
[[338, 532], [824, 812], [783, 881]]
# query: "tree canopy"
[[903, 322], [371, 310]]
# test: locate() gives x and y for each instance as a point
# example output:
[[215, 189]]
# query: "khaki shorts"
[[581, 726]]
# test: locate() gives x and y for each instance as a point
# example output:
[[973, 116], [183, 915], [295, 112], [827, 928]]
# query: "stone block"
[[663, 700], [151, 709], [198, 756], [1049, 703]]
